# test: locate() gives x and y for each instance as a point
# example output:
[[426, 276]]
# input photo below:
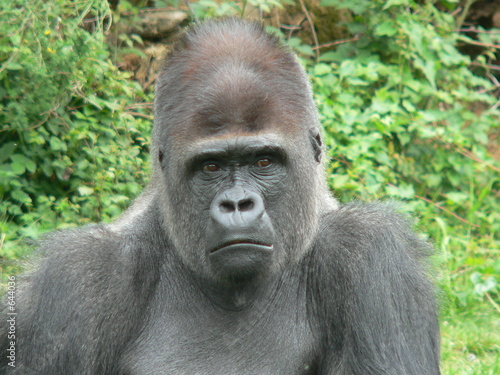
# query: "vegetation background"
[[408, 93]]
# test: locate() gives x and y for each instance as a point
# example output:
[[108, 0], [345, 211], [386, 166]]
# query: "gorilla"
[[236, 259]]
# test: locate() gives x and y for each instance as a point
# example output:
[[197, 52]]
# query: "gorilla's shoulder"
[[94, 263], [362, 229], [81, 244], [79, 258]]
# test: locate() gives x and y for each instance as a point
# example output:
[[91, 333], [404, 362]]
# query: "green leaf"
[[406, 192], [480, 286], [387, 28], [57, 145], [20, 163], [427, 67], [330, 3], [85, 191], [339, 181], [329, 56], [322, 69], [481, 137], [294, 42], [356, 6], [14, 66], [391, 3], [457, 197], [305, 50], [6, 151], [21, 196]]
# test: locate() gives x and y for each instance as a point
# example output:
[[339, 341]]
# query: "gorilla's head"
[[237, 152]]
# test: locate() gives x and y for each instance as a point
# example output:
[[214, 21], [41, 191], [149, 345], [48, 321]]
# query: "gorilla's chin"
[[241, 260]]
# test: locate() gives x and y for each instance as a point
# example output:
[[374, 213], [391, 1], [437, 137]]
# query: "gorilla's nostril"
[[245, 205], [227, 207]]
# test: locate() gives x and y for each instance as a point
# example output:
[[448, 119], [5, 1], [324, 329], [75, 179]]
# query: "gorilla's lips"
[[236, 243], [240, 259]]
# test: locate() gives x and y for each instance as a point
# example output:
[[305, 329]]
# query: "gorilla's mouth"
[[227, 245]]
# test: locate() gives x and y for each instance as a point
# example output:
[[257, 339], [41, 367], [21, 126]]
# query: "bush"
[[73, 142]]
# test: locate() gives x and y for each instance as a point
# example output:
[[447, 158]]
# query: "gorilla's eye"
[[211, 167], [265, 162]]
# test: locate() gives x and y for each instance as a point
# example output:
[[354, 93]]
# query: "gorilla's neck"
[[238, 295]]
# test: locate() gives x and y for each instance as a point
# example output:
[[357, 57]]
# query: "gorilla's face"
[[236, 207]]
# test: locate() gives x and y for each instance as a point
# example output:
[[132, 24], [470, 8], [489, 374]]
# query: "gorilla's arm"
[[81, 306], [374, 301]]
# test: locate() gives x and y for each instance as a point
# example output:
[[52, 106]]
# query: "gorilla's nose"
[[237, 208]]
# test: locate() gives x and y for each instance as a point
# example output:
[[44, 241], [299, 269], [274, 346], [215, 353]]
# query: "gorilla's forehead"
[[239, 101], [235, 96]]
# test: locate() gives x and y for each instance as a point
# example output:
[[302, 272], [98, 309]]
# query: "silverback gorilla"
[[235, 259]]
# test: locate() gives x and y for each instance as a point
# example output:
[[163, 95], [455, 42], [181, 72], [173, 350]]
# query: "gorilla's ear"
[[316, 143]]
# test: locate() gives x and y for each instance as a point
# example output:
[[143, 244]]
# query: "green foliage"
[[204, 9], [405, 117], [402, 111], [72, 147]]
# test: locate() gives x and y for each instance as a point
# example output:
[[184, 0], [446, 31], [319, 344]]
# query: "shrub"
[[72, 140]]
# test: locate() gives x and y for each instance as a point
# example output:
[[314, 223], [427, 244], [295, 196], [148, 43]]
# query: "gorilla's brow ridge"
[[221, 150]]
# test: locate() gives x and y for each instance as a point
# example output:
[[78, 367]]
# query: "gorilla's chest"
[[269, 337]]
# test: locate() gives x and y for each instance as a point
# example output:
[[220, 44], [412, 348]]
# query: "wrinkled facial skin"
[[235, 183]]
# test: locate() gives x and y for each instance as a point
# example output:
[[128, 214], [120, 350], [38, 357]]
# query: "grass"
[[470, 321], [470, 342]]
